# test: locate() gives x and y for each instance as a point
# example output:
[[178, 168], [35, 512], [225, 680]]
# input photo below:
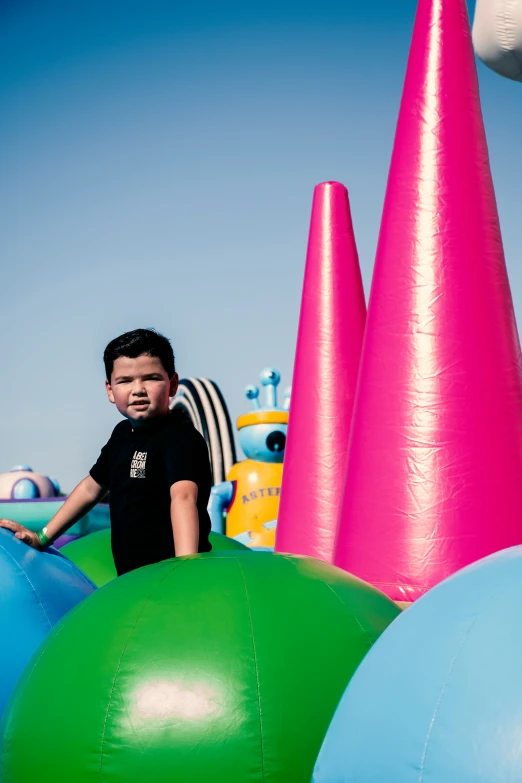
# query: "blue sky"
[[157, 167]]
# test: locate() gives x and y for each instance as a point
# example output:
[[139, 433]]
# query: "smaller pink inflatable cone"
[[331, 326], [434, 479]]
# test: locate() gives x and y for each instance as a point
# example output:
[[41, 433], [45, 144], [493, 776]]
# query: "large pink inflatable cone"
[[434, 477], [331, 326]]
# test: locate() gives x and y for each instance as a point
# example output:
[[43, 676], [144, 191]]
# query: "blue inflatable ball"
[[438, 699], [36, 590]]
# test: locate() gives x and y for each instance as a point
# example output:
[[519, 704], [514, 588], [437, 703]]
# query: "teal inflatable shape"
[[35, 514]]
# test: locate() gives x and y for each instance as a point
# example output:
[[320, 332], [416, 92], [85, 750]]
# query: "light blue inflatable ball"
[[438, 698], [36, 590]]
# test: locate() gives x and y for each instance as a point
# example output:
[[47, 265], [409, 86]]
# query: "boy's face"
[[140, 388]]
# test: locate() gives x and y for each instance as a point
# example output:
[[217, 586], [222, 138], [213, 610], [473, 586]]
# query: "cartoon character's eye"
[[276, 441]]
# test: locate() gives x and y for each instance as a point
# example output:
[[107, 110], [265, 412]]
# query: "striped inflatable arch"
[[206, 406]]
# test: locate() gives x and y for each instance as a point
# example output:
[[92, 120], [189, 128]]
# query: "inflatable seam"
[[263, 776], [17, 564], [439, 701], [174, 567], [353, 615]]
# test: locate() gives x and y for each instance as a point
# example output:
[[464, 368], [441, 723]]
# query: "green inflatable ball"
[[93, 554], [206, 668]]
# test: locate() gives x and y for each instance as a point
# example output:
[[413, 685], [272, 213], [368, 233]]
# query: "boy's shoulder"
[[122, 427], [181, 425], [121, 430], [181, 433]]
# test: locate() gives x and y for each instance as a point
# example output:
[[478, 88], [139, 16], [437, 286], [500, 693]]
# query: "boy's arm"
[[80, 501], [184, 517]]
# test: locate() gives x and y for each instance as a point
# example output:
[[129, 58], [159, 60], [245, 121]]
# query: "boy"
[[155, 465]]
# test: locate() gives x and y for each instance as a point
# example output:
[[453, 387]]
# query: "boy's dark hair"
[[136, 343]]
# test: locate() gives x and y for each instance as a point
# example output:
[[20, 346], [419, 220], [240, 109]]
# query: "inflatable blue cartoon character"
[[250, 495]]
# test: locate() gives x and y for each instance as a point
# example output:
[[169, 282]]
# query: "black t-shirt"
[[138, 467]]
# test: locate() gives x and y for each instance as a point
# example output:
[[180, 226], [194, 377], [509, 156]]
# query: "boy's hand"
[[21, 532]]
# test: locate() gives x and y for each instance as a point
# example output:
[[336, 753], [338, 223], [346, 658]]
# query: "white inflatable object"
[[497, 36]]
